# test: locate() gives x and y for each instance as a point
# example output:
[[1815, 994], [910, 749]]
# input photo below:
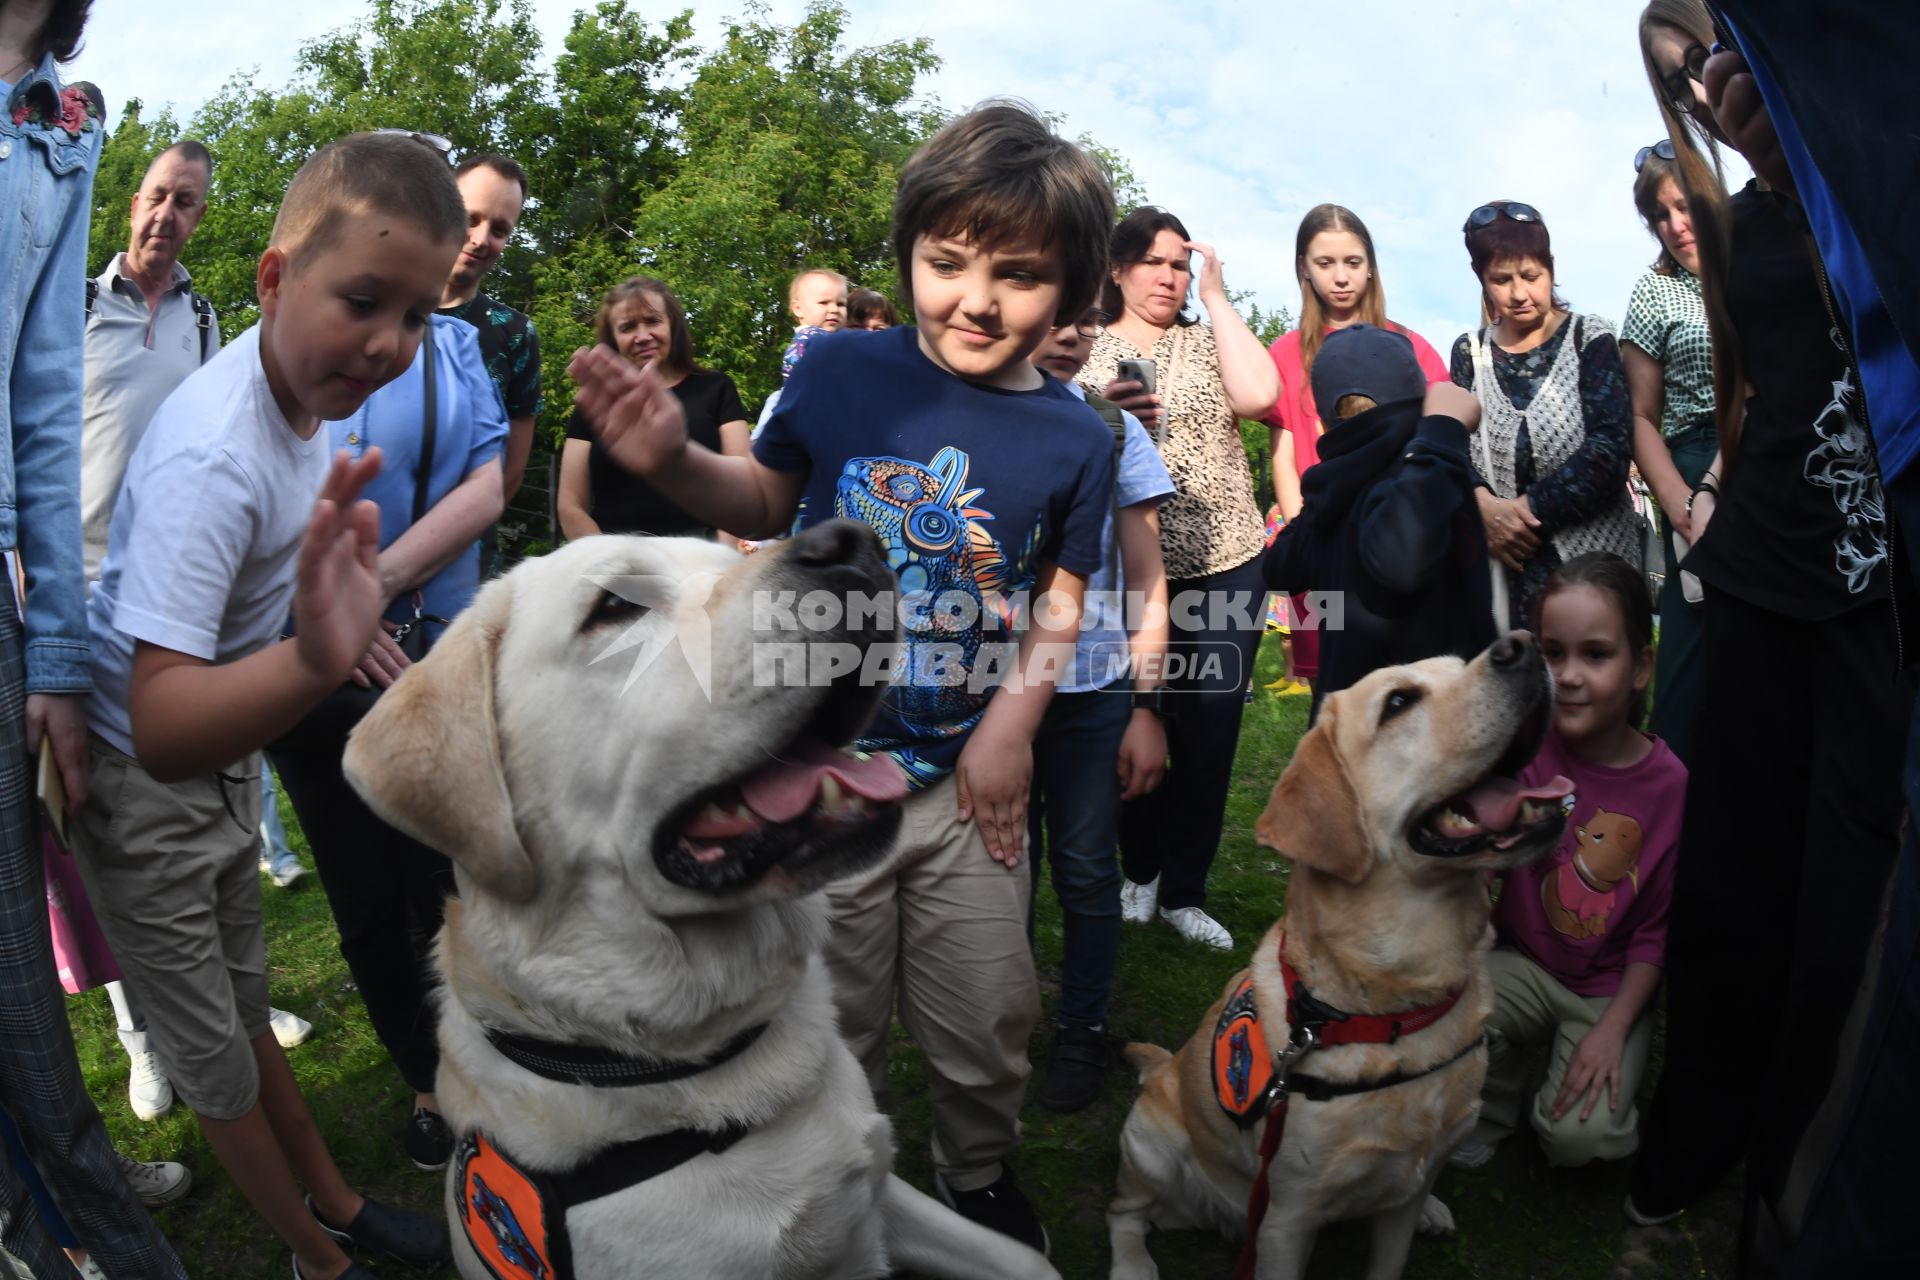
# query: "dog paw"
[[1435, 1218]]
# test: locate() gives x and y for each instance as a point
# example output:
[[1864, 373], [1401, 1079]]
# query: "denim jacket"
[[50, 138]]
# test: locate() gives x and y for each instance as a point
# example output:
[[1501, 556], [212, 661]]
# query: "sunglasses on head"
[[1693, 66], [1662, 148], [443, 145], [1487, 214]]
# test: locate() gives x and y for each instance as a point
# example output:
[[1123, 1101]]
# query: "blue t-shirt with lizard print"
[[971, 489]]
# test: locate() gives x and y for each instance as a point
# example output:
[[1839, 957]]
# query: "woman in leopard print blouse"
[[1208, 377]]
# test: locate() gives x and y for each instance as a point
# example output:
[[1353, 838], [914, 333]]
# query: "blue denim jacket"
[[46, 173]]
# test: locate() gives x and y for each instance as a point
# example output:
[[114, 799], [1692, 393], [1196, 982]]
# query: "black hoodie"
[[1388, 520]]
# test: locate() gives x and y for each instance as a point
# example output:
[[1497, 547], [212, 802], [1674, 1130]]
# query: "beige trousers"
[[1530, 1007], [944, 925]]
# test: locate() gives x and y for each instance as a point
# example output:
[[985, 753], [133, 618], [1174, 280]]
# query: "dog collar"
[[601, 1068], [1331, 1026]]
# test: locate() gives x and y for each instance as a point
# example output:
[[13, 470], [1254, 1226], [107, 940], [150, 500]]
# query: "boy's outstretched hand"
[[338, 598], [637, 417]]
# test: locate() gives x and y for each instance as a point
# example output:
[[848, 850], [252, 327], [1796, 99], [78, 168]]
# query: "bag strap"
[[1482, 381], [203, 310], [428, 427]]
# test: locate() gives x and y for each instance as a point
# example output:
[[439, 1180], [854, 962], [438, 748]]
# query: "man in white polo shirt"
[[146, 331]]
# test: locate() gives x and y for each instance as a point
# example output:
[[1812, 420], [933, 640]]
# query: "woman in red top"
[[1339, 286]]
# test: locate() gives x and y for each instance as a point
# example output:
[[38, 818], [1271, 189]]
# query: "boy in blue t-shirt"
[[1101, 741], [984, 479]]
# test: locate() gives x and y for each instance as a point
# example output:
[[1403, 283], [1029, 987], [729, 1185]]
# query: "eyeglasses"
[[1087, 326], [1693, 66], [1662, 148], [1487, 214], [443, 145]]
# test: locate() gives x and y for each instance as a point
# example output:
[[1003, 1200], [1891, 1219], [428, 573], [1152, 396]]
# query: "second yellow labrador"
[[1396, 804]]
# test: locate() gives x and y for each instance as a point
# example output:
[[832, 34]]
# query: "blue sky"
[[1239, 116]]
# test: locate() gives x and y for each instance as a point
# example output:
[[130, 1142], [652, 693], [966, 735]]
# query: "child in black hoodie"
[[1388, 523]]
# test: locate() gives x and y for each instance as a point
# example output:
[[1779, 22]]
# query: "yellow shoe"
[[1287, 687]]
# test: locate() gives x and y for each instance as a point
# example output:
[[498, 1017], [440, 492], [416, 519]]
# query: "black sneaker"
[[417, 1239], [429, 1142], [1081, 1058], [1002, 1207]]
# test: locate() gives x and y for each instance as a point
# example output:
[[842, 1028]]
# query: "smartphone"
[[1140, 371]]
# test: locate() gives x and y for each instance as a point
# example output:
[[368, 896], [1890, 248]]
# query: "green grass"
[[1517, 1218]]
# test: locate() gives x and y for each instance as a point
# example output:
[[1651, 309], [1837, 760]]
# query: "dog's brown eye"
[[610, 608], [1398, 701]]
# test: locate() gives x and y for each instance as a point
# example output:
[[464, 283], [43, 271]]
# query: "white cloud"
[[1238, 116]]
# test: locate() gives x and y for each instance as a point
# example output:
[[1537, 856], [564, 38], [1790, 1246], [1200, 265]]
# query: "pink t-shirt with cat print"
[[1598, 902]]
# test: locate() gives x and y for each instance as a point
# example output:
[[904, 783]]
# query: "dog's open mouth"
[[1497, 812], [810, 802]]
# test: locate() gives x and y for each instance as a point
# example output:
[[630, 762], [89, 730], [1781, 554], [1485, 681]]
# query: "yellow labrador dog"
[[638, 1051], [1395, 805]]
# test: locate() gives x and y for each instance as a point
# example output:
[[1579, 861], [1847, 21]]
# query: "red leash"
[[1313, 1025]]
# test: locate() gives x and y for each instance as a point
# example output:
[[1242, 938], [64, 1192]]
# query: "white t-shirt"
[[206, 530]]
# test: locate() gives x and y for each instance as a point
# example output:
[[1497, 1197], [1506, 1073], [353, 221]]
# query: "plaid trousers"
[[40, 1084]]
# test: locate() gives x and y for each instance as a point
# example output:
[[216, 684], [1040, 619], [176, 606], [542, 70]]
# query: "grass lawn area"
[[1517, 1217]]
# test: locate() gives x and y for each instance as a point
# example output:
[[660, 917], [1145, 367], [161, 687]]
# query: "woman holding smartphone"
[[1206, 378]]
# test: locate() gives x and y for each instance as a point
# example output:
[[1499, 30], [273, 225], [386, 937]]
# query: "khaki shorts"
[[173, 874]]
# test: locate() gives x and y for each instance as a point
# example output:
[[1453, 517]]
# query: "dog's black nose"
[[835, 542], [1511, 649]]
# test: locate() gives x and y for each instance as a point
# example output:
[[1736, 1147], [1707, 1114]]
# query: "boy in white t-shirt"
[[211, 543]]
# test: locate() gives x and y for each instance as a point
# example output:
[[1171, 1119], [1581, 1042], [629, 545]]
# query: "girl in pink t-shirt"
[[1339, 286], [1582, 932]]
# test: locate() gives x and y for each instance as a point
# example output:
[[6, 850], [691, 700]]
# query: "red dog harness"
[[1251, 1082]]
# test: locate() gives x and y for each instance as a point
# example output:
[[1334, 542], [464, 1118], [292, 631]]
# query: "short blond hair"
[[793, 286], [386, 173], [1353, 406]]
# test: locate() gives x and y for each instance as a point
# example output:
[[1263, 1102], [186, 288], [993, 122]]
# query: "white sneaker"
[[1138, 901], [285, 868], [1195, 925], [149, 1091], [156, 1182], [290, 1029], [1471, 1153]]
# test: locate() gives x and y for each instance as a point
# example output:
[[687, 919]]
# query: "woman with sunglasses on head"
[[1792, 821], [1667, 351], [1339, 286], [1208, 376], [1557, 430]]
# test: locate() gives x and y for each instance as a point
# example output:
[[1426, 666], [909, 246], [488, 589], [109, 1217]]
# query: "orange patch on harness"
[[1242, 1062], [501, 1211]]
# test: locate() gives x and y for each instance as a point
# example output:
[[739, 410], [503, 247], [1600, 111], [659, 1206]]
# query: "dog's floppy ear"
[[1313, 815], [427, 757]]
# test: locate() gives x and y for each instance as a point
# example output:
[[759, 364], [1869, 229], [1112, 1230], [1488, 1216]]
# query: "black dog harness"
[[515, 1218]]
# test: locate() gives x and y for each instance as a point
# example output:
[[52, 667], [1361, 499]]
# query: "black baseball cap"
[[1365, 360]]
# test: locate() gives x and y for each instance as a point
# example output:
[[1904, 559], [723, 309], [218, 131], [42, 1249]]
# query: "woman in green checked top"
[[1668, 354]]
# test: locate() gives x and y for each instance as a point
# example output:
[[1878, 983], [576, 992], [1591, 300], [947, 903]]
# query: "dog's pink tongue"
[[786, 788], [1496, 802]]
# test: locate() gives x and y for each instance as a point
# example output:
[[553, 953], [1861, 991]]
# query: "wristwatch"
[[1154, 700]]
